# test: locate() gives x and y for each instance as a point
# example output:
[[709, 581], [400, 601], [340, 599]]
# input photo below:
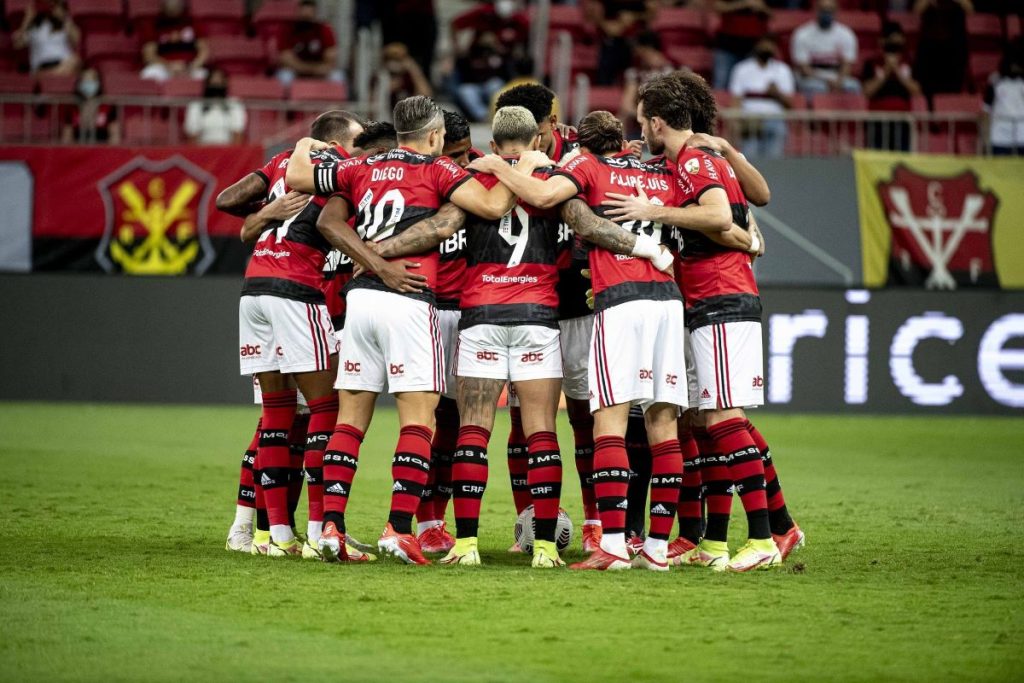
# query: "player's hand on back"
[[286, 206], [532, 160], [717, 144], [398, 276], [629, 207], [635, 147], [488, 163]]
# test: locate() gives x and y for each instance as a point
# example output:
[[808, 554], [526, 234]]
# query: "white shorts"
[[576, 334], [637, 355], [391, 340], [283, 335], [449, 322], [730, 365], [509, 352]]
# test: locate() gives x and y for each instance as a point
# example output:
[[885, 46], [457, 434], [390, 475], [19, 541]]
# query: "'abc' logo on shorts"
[[532, 357], [758, 382], [486, 355], [352, 367], [646, 374], [397, 368], [249, 350], [671, 380]]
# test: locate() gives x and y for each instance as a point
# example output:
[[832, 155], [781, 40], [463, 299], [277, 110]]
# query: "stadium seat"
[[239, 55], [839, 101], [964, 136], [150, 130], [785, 21], [867, 26], [969, 104], [608, 98], [219, 17], [16, 84], [699, 59], [683, 26], [14, 12], [563, 18], [142, 10], [1013, 26], [256, 88], [97, 16], [129, 83], [111, 52], [983, 65], [182, 87], [724, 99], [305, 90], [57, 85], [984, 32], [272, 17]]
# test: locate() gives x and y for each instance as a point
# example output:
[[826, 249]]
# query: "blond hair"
[[513, 124]]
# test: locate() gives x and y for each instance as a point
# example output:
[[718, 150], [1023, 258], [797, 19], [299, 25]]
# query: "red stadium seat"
[[964, 137], [272, 17], [128, 83], [182, 87], [1013, 26], [839, 101], [785, 21], [256, 88], [984, 32], [563, 18], [17, 84], [983, 65], [14, 12], [318, 91], [867, 26], [608, 98], [151, 130], [682, 26], [57, 85], [970, 104], [239, 55], [97, 16], [699, 59], [111, 52], [219, 17], [724, 99], [142, 10]]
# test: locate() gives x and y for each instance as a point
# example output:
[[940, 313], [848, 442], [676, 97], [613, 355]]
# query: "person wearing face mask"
[[307, 48], [405, 77], [216, 119], [823, 52], [490, 40], [91, 120], [764, 85], [1004, 102], [889, 85]]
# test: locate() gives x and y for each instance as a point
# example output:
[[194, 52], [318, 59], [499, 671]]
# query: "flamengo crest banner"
[[941, 222], [147, 211]]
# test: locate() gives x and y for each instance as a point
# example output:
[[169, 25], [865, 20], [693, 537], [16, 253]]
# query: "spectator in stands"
[[1004, 102], [217, 119], [307, 48], [764, 85], [410, 22], [617, 22], [824, 51], [90, 120], [743, 22], [404, 76], [490, 41], [51, 37], [172, 44], [942, 59], [889, 85]]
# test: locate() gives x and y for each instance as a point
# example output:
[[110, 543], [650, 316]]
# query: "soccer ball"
[[524, 530]]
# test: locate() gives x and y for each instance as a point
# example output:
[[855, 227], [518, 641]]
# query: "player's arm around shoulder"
[[754, 185], [425, 234], [242, 197], [299, 175], [520, 180]]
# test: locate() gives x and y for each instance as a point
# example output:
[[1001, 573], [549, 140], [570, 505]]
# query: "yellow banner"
[[941, 222]]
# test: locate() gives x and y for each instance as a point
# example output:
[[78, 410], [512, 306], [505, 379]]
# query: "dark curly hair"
[[456, 127], [377, 134], [702, 105], [535, 97]]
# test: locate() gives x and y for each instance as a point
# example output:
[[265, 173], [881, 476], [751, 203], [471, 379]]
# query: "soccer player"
[[451, 277], [723, 318], [391, 335], [575, 324], [244, 198]]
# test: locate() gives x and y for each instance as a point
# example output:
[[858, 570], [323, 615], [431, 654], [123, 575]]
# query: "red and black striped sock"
[[689, 510], [518, 461], [583, 440], [438, 491], [611, 482], [545, 480], [323, 414], [273, 453], [778, 515], [716, 486], [469, 479], [666, 477], [296, 456], [410, 467], [340, 462], [246, 484], [746, 471]]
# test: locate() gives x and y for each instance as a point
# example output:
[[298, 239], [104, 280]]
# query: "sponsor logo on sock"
[[338, 489], [265, 480], [397, 487], [623, 505], [659, 509]]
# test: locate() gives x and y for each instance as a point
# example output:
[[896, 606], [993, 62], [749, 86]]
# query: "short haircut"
[[666, 97], [601, 132], [513, 124], [335, 124], [701, 101], [535, 97], [415, 116], [456, 127], [377, 134]]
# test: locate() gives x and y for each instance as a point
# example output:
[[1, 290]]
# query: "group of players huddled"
[[395, 256]]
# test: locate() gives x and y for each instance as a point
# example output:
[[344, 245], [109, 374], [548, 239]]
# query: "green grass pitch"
[[113, 567]]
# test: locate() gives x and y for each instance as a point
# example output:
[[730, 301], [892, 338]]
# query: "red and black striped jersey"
[[617, 278], [288, 259], [388, 193], [511, 270], [562, 145], [717, 282], [572, 253], [451, 271]]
